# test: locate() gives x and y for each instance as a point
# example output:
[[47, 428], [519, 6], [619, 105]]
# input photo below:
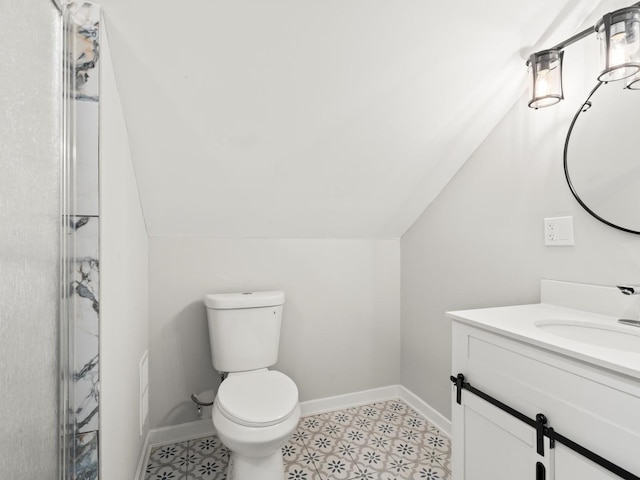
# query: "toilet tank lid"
[[226, 301]]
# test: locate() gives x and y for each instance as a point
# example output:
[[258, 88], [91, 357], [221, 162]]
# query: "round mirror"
[[602, 156]]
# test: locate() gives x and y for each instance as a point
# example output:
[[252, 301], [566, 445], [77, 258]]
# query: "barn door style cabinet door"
[[495, 445], [526, 412]]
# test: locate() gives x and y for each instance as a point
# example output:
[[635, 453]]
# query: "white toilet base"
[[255, 452], [252, 468]]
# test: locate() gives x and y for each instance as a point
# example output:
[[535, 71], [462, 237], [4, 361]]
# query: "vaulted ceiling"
[[315, 118]]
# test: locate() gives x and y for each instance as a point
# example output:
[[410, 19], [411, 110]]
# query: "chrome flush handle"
[[629, 289], [631, 323]]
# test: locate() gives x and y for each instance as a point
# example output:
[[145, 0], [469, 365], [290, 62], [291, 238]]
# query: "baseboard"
[[182, 432], [426, 410], [144, 459], [340, 402]]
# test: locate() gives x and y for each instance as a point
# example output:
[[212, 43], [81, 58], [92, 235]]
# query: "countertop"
[[519, 323]]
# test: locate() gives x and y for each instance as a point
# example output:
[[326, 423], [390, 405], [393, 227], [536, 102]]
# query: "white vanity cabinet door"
[[492, 444], [571, 466]]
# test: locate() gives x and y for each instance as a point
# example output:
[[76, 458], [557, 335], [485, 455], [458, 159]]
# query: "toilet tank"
[[244, 329]]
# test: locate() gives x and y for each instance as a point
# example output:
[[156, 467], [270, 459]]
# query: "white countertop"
[[519, 323]]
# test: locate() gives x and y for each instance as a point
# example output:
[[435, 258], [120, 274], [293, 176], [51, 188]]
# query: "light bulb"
[[542, 83], [618, 56]]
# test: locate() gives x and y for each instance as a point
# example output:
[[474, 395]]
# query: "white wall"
[[30, 102], [481, 242], [341, 323], [124, 286]]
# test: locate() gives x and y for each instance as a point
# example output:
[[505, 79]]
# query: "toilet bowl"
[[254, 414]]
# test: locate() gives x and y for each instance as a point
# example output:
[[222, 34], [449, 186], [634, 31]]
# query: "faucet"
[[629, 289]]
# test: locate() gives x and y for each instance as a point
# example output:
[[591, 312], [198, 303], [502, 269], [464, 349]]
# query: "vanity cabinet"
[[593, 406], [491, 444]]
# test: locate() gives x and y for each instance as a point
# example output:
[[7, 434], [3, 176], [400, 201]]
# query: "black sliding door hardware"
[[541, 431]]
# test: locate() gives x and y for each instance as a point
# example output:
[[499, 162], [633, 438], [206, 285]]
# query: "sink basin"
[[598, 335]]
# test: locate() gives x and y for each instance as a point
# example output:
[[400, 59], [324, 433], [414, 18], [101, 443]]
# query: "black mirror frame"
[[583, 108]]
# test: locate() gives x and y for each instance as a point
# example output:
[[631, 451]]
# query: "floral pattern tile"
[[294, 471], [399, 468], [430, 473], [381, 441], [336, 466], [168, 454], [208, 468]]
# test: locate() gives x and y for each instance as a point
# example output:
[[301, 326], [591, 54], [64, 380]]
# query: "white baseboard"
[[426, 410], [144, 459], [181, 433], [204, 428], [348, 400]]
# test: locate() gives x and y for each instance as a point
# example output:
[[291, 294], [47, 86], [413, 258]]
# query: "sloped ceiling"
[[315, 118]]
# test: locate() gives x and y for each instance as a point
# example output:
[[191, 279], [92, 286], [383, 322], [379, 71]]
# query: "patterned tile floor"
[[381, 441]]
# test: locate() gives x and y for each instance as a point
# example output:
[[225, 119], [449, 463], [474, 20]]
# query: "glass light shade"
[[545, 78], [633, 83], [619, 35]]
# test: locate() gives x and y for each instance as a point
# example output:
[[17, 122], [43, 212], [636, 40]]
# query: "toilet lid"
[[260, 398]]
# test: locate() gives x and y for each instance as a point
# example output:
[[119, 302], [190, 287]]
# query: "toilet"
[[255, 409]]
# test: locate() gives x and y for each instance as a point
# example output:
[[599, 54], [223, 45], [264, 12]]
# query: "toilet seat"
[[257, 399]]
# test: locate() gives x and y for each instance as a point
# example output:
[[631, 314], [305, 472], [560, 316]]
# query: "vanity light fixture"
[[545, 76], [619, 35]]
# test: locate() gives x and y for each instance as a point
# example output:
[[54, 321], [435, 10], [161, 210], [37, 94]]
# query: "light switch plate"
[[558, 231]]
